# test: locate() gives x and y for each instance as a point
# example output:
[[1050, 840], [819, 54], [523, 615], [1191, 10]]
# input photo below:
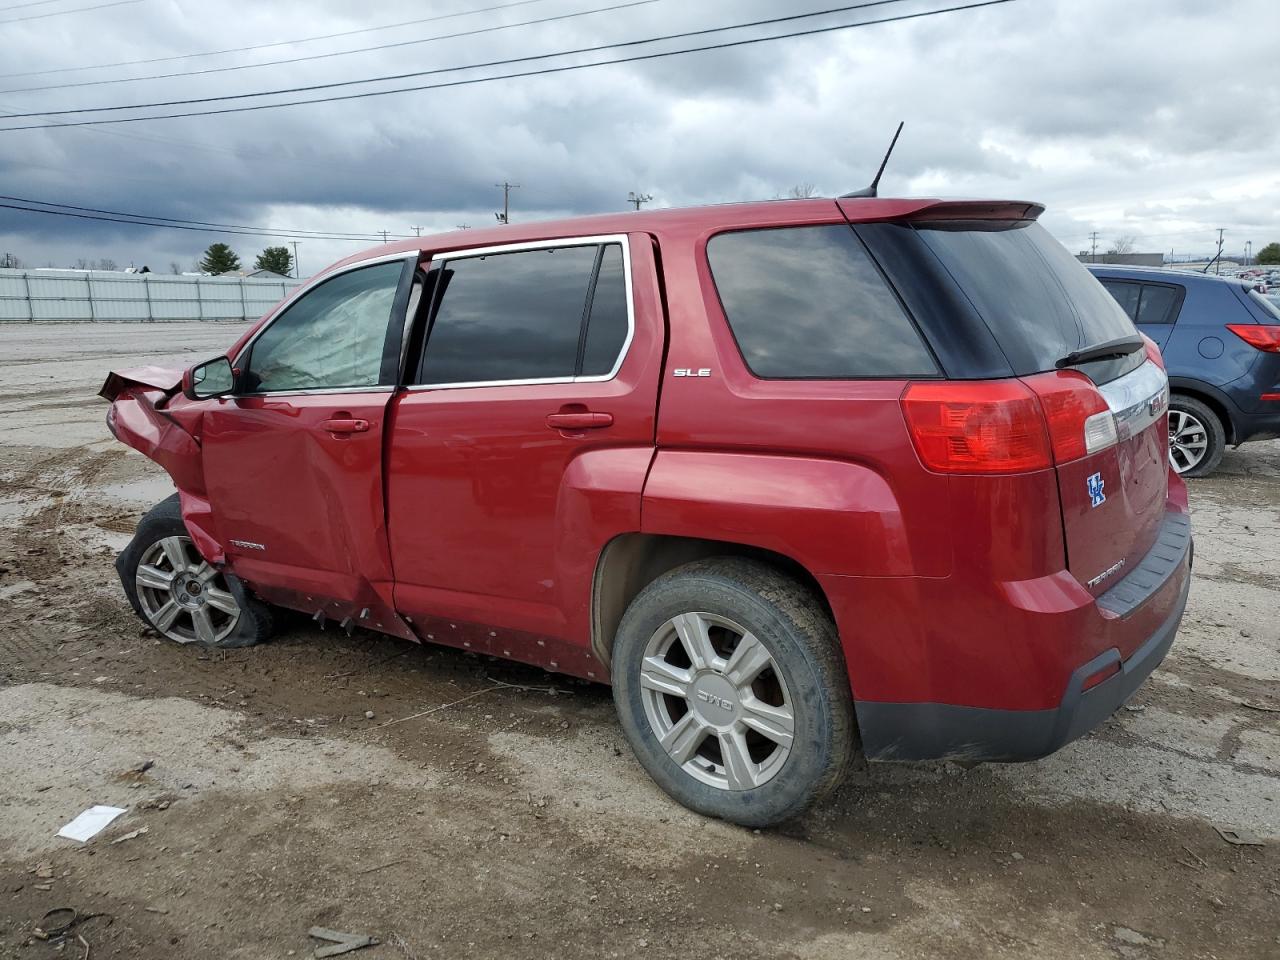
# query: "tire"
[[175, 592], [1203, 438], [734, 771]]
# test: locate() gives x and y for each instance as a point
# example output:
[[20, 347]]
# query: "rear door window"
[[1039, 302], [1126, 294], [809, 303], [1158, 302], [550, 314]]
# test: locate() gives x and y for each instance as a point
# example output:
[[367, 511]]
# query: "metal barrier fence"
[[101, 295]]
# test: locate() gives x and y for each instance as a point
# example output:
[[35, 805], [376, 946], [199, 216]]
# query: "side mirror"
[[213, 378]]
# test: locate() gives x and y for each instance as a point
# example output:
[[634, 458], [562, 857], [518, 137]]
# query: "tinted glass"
[[511, 316], [1157, 303], [1126, 294], [1038, 300], [1269, 305], [807, 302], [332, 337], [608, 325]]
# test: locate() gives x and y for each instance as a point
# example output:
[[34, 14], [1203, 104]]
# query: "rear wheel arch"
[[630, 562]]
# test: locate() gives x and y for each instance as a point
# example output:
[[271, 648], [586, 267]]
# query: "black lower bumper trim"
[[935, 731]]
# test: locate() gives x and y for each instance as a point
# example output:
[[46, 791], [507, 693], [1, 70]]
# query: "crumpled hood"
[[167, 379]]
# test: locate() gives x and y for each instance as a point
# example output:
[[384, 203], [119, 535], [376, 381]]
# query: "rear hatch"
[[1105, 397]]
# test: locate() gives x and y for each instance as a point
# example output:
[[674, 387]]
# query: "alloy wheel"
[[184, 597], [1188, 440], [717, 701]]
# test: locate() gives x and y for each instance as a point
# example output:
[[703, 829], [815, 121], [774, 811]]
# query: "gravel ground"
[[510, 819]]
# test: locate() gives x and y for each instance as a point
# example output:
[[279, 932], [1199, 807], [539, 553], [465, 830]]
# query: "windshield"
[[1039, 302]]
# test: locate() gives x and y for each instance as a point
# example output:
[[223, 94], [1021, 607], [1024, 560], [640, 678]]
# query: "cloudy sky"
[[1129, 117]]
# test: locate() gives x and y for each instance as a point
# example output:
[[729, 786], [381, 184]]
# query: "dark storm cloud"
[[1125, 118]]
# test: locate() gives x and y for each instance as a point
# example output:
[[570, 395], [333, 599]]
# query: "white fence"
[[101, 295]]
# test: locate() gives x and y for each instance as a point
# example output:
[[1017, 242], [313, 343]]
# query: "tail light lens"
[[1007, 426], [1153, 352], [1080, 422], [981, 427], [1262, 337]]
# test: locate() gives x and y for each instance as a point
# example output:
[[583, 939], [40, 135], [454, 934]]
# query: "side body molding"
[[831, 516]]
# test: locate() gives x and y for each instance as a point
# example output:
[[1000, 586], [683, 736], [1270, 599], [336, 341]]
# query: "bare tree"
[[174, 267], [800, 191], [1124, 244]]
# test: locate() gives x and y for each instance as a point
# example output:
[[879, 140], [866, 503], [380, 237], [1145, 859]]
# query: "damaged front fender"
[[137, 417]]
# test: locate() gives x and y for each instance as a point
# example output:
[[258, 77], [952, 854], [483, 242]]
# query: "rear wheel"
[[181, 595], [1197, 439], [730, 686]]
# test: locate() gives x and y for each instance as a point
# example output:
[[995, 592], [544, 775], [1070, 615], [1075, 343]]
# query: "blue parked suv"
[[1221, 344]]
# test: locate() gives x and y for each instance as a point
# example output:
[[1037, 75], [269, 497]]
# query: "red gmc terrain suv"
[[794, 477]]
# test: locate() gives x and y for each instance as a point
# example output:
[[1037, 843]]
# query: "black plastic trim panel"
[[1171, 546]]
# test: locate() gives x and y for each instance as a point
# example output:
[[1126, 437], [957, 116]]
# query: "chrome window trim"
[[596, 240], [298, 294]]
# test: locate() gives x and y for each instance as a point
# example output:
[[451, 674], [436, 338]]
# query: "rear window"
[[808, 303], [1039, 302], [1267, 306]]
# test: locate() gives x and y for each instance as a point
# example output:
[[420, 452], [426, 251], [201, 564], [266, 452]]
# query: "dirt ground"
[[491, 810]]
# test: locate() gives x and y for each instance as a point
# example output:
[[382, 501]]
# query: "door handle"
[[579, 421], [346, 426]]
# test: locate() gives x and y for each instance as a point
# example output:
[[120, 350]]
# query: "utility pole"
[[417, 231], [385, 234], [638, 198], [296, 272], [505, 215], [1248, 252], [1093, 239], [464, 226], [1218, 269]]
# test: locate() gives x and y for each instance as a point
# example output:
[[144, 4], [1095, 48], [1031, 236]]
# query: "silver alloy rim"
[[1188, 440], [183, 597], [717, 701]]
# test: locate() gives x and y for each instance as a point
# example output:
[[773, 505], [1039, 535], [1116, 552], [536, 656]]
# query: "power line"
[[309, 88], [265, 46], [63, 13], [506, 76], [338, 53], [138, 220], [23, 6]]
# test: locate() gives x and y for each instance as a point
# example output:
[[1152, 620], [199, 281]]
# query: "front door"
[[523, 438], [293, 461]]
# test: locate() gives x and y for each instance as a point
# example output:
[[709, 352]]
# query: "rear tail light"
[[1153, 352], [1259, 336], [1100, 676], [980, 427], [1007, 426], [1080, 422]]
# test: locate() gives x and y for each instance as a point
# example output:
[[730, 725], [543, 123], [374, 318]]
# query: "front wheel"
[[731, 688], [182, 596]]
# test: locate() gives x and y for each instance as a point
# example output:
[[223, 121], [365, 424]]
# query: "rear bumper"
[[932, 731], [1256, 426]]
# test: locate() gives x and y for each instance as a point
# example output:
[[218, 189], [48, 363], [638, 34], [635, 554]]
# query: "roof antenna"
[[871, 191]]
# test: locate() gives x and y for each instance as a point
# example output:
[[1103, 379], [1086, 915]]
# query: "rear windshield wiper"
[[1109, 350]]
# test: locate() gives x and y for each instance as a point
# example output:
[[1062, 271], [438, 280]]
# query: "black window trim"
[[442, 260], [938, 373], [391, 345]]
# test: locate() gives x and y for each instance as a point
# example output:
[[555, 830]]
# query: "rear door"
[[522, 439], [1041, 305], [293, 461]]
